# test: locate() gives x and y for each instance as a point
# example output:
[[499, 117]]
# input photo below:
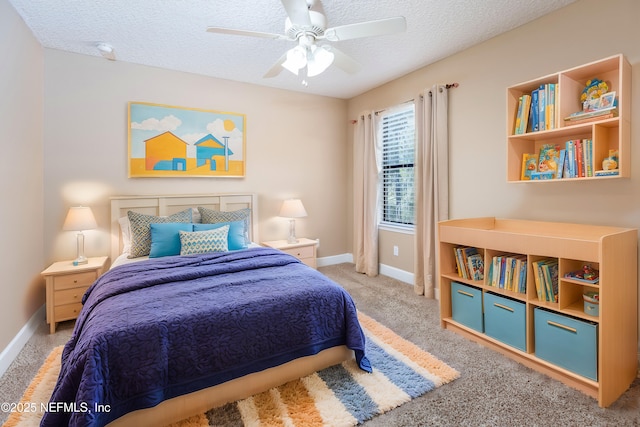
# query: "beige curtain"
[[432, 184], [367, 168]]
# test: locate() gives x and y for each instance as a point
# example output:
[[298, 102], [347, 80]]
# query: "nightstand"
[[66, 284], [304, 250]]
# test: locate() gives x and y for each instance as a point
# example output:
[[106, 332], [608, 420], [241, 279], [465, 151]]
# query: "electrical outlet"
[[395, 251]]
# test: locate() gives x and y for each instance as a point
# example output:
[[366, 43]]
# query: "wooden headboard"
[[167, 205]]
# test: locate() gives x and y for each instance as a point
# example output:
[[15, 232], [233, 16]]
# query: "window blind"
[[397, 129]]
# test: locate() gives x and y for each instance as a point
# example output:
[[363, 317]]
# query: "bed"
[[163, 337]]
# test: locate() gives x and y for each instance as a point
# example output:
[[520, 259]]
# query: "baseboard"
[[396, 273], [12, 350], [393, 272], [336, 259]]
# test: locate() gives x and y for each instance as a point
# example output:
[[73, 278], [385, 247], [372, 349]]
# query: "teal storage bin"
[[505, 320], [567, 342], [466, 306]]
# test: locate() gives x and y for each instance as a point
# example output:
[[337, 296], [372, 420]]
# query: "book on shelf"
[[551, 105], [542, 99], [475, 264], [462, 255], [600, 114], [541, 176], [548, 159], [561, 163], [522, 115], [546, 279], [611, 172], [529, 165], [578, 159], [516, 122], [508, 272], [535, 112]]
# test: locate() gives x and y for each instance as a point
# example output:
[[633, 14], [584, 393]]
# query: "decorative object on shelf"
[[587, 274], [166, 141], [591, 303], [80, 218], [611, 162], [292, 208], [590, 96]]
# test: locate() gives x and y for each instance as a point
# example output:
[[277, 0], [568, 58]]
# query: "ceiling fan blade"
[[366, 29], [342, 60], [277, 67], [298, 12], [246, 33]]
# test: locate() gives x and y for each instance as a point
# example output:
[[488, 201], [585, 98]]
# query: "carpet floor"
[[492, 390], [342, 395]]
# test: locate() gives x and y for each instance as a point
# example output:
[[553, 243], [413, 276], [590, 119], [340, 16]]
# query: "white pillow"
[[125, 230]]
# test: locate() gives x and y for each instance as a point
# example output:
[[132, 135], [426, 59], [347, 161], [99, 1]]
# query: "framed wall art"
[[167, 141]]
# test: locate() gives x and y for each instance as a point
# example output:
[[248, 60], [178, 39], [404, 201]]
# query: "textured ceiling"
[[172, 34]]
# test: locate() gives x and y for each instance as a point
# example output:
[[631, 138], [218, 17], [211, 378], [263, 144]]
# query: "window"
[[397, 130]]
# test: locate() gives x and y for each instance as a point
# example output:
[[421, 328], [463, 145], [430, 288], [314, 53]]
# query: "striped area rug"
[[342, 395]]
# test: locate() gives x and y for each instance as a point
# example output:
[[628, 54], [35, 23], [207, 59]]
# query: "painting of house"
[[165, 152], [167, 141], [209, 150]]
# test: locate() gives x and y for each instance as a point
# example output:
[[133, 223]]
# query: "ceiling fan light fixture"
[[319, 61], [296, 59]]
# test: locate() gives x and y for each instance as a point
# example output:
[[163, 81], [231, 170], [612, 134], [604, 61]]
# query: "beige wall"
[[21, 174], [477, 111], [296, 147]]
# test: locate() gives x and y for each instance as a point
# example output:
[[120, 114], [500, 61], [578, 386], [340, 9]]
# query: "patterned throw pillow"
[[210, 216], [200, 242], [141, 229]]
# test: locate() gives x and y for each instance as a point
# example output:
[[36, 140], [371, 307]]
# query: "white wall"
[[21, 174], [296, 147]]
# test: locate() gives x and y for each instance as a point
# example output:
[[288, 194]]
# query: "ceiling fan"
[[306, 27]]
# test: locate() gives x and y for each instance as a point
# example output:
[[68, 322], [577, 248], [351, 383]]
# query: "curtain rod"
[[447, 86]]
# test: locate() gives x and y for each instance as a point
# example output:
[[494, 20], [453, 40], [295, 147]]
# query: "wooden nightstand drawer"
[[74, 280], [67, 311], [66, 284], [301, 252], [69, 296], [304, 249]]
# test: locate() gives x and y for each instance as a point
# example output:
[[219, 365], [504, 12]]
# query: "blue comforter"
[[153, 330]]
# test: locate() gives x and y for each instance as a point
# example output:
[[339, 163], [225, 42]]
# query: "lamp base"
[[292, 232], [80, 261]]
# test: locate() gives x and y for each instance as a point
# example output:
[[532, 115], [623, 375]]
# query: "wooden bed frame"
[[182, 407]]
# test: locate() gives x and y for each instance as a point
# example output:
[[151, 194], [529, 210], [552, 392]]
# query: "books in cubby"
[[529, 165], [545, 277], [509, 272], [573, 159], [537, 111], [522, 115], [469, 263]]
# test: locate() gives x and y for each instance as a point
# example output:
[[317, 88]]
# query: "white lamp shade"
[[79, 218], [292, 208]]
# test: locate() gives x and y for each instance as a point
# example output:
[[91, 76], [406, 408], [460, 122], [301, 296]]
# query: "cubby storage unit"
[[601, 351], [610, 133]]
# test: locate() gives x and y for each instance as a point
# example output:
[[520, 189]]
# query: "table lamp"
[[292, 208], [80, 218]]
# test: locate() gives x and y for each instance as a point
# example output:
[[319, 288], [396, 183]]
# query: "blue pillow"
[[165, 238], [236, 238]]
